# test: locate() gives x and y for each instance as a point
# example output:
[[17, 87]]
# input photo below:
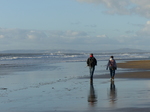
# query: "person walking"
[[112, 67], [91, 62]]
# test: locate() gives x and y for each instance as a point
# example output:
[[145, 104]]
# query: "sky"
[[74, 24]]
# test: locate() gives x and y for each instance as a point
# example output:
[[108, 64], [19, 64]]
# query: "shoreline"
[[142, 65]]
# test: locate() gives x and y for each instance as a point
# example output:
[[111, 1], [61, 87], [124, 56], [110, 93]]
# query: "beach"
[[134, 69], [138, 69], [39, 91]]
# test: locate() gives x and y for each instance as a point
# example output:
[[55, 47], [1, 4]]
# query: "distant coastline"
[[74, 51]]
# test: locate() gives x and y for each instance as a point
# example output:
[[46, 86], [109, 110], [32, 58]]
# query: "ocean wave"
[[69, 57]]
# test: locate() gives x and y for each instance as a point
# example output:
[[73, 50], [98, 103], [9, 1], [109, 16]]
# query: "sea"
[[42, 61], [59, 65]]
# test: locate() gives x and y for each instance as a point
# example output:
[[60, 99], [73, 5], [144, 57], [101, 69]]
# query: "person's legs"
[[91, 73], [93, 69], [111, 72]]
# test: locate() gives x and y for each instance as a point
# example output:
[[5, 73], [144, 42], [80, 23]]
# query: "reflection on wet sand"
[[112, 94], [92, 97], [3, 88]]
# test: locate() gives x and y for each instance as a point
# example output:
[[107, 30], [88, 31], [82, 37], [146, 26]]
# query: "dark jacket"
[[91, 61]]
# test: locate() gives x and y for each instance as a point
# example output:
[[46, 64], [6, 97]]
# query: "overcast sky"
[[74, 24]]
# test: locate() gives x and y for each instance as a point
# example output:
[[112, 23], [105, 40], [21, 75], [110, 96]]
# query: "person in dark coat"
[[91, 63]]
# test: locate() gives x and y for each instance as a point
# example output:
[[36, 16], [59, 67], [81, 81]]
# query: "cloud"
[[148, 22], [19, 38], [145, 30], [101, 36], [35, 39], [75, 33], [38, 39], [35, 34], [139, 39], [124, 7], [1, 36]]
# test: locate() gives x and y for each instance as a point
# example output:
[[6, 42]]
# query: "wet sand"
[[143, 66], [132, 87], [135, 69], [33, 91]]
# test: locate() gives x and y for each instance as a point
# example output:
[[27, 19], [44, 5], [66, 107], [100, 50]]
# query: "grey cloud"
[[134, 41], [20, 33], [144, 31], [34, 39], [20, 38], [114, 6], [17, 38], [138, 25], [124, 7]]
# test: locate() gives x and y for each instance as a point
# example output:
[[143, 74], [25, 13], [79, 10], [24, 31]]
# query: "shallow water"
[[74, 95], [37, 85]]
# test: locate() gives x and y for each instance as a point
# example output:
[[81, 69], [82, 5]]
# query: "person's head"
[[112, 57], [91, 55]]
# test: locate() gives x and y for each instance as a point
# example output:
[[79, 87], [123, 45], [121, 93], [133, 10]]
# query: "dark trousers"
[[112, 72], [91, 72]]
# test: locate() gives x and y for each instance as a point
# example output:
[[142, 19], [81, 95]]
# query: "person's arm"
[[87, 62], [107, 65]]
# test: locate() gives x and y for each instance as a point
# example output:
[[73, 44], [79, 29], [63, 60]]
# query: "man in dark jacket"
[[91, 62]]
